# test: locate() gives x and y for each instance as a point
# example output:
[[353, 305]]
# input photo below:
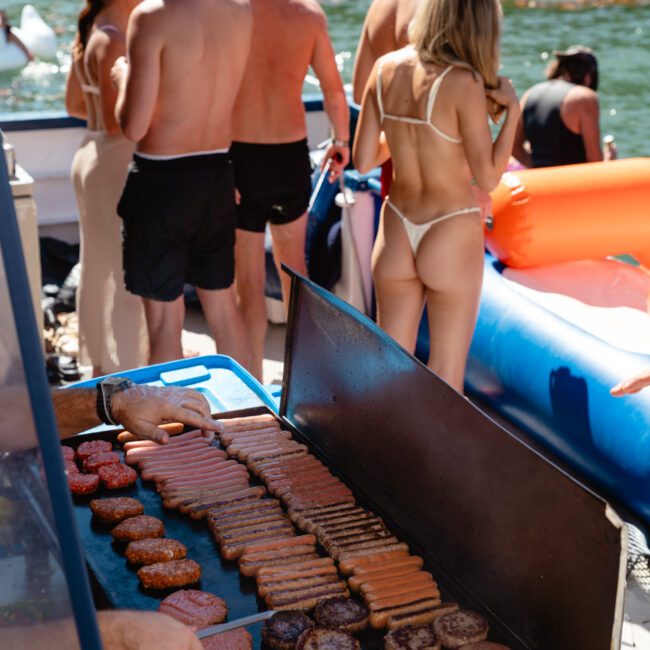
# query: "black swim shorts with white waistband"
[[274, 181], [178, 225]]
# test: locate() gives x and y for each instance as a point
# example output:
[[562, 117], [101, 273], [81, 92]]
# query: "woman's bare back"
[[431, 173]]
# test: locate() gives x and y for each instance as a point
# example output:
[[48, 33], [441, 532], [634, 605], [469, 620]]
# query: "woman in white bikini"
[[427, 107], [112, 326]]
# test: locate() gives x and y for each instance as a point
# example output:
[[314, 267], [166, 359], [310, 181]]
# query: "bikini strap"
[[111, 28], [380, 102], [433, 93]]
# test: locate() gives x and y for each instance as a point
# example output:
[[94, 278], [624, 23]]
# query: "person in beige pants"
[[112, 326]]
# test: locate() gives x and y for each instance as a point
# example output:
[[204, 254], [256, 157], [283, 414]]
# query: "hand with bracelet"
[[139, 409], [336, 158]]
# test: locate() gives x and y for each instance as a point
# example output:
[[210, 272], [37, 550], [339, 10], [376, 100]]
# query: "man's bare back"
[[288, 37], [187, 60], [384, 30]]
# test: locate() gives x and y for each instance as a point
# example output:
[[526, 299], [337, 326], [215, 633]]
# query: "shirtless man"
[[384, 30], [186, 60], [269, 152]]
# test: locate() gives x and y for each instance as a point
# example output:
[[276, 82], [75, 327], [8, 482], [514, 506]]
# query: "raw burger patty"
[[141, 527], [151, 551], [82, 483], [114, 509], [117, 476], [86, 449], [163, 575], [238, 639], [94, 462], [68, 452], [193, 607], [70, 467]]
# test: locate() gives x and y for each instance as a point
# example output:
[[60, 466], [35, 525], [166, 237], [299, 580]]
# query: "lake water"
[[620, 34]]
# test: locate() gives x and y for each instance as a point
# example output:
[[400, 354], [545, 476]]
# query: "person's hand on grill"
[[128, 630], [632, 385], [140, 409]]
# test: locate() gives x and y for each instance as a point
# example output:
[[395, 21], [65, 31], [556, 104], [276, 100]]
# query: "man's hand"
[[127, 630], [141, 409], [633, 385], [337, 157], [118, 71]]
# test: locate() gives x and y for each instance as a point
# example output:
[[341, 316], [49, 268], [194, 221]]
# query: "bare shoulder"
[[241, 7], [149, 14], [310, 12], [582, 96], [463, 82], [405, 56]]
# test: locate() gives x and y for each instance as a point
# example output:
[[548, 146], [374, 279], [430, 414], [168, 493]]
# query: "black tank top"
[[550, 141]]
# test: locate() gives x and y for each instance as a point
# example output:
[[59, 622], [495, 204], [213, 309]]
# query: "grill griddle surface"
[[118, 579]]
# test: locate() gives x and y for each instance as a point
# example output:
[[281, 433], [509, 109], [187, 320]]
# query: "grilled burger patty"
[[153, 550], [140, 527], [412, 637], [284, 628], [461, 628], [319, 638], [342, 614], [115, 509], [195, 608], [163, 575]]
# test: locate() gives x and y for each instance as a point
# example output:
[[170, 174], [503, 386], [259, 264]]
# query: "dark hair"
[[577, 67], [85, 23]]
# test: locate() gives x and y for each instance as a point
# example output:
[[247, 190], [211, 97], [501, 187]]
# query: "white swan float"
[[35, 33]]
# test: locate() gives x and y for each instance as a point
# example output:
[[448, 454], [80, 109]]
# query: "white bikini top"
[[433, 93], [93, 89]]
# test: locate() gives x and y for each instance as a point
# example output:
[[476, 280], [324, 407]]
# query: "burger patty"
[[87, 449], [163, 575], [153, 550], [195, 608], [68, 453], [460, 628], [342, 614], [412, 637], [117, 476], [94, 462], [115, 509], [140, 527], [239, 639], [82, 483], [319, 638], [283, 630]]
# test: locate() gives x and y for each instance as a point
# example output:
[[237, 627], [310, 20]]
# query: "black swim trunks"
[[179, 225], [274, 181]]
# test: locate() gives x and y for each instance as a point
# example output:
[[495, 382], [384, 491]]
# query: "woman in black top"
[[559, 122]]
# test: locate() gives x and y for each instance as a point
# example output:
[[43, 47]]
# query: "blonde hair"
[[464, 33]]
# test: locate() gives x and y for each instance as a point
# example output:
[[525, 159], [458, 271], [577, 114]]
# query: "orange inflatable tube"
[[561, 214]]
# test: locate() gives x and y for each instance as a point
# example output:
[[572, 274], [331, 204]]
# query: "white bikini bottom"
[[416, 231]]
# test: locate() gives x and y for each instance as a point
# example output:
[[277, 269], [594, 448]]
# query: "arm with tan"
[[139, 79], [487, 160], [370, 146], [75, 104], [323, 62]]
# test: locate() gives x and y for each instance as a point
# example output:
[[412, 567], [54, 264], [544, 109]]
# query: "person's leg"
[[226, 323], [250, 277], [450, 263], [399, 291], [289, 249], [165, 327]]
